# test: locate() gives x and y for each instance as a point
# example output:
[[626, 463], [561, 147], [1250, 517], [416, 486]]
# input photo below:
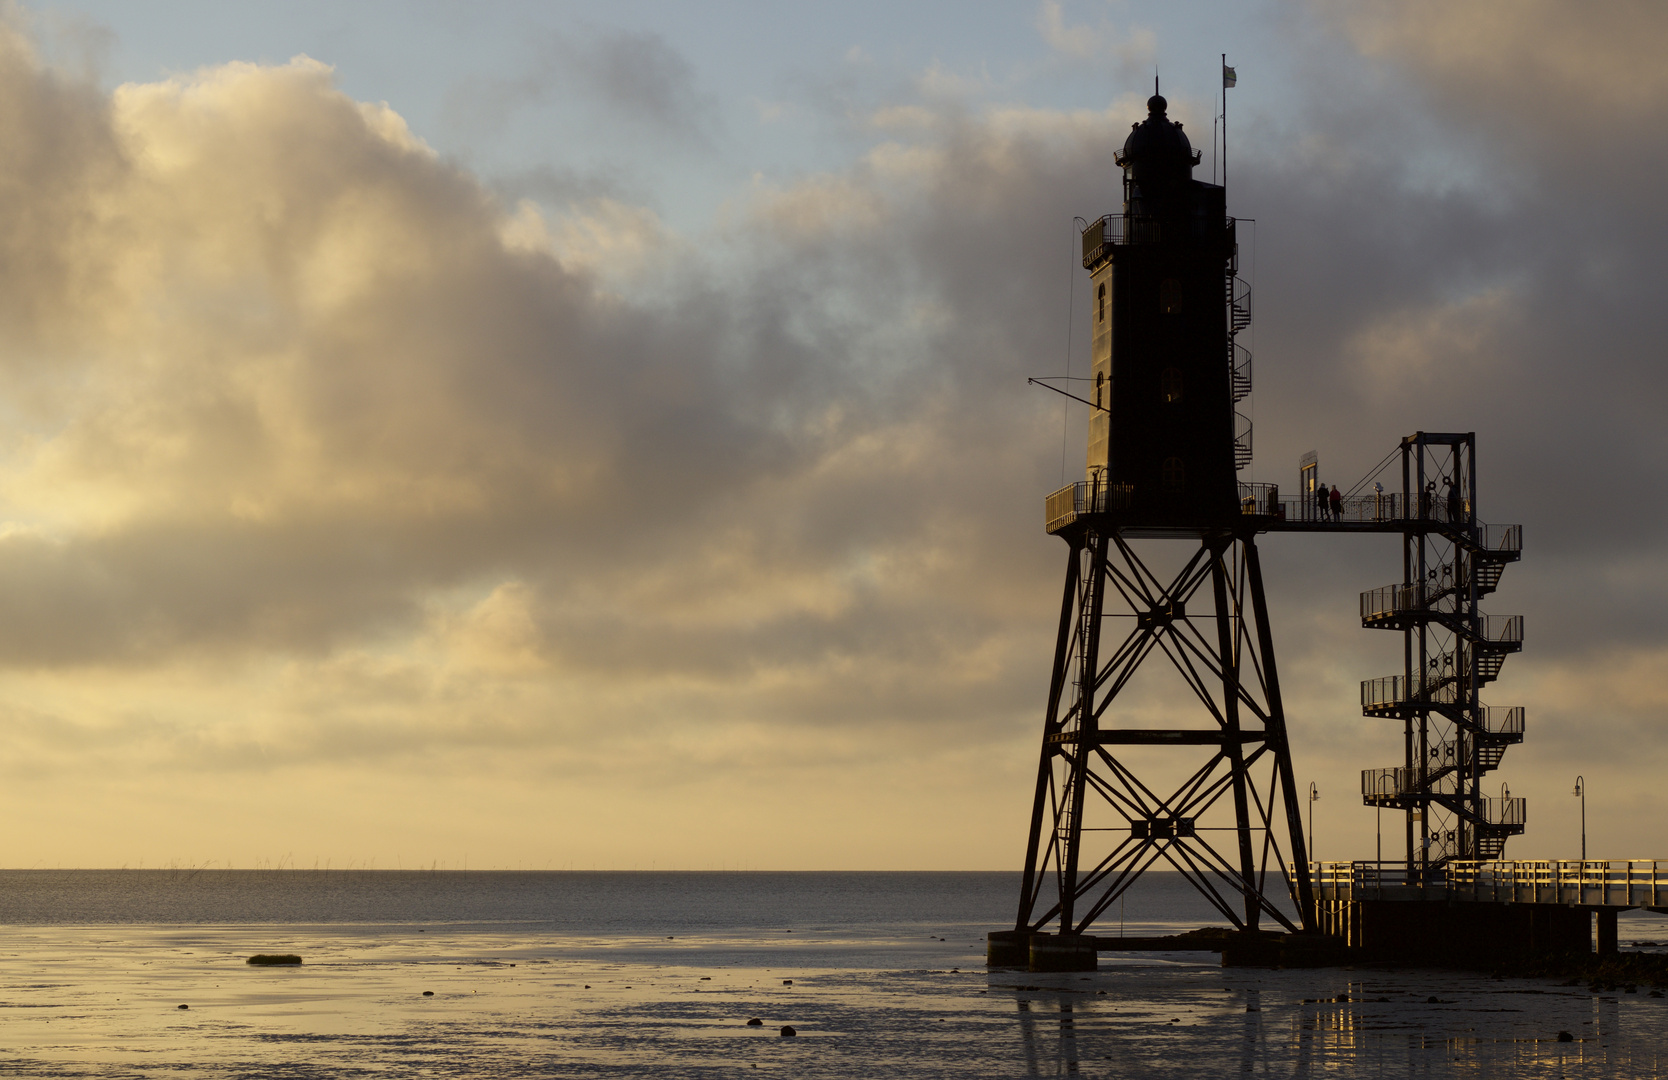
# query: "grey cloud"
[[633, 77]]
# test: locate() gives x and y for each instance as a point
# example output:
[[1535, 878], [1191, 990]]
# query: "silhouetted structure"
[[1451, 650], [1164, 446]]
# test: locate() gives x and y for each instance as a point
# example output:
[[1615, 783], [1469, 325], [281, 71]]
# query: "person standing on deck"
[[1320, 502], [1337, 501], [1453, 501]]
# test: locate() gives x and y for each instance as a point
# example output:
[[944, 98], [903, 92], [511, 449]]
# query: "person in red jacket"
[[1337, 501]]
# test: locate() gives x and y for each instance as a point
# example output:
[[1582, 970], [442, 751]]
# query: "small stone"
[[786, 1031], [1656, 993], [428, 993], [787, 982], [755, 1022], [587, 986], [1564, 1036], [185, 1006], [1252, 1008], [706, 978], [1432, 1001]]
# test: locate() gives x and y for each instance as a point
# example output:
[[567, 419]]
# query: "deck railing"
[[1571, 882], [1085, 497], [1259, 499], [1612, 882]]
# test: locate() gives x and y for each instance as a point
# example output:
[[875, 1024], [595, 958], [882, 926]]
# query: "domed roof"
[[1157, 139]]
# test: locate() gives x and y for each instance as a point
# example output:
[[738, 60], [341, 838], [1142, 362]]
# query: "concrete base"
[[1063, 952], [1431, 931], [1607, 943], [1008, 949]]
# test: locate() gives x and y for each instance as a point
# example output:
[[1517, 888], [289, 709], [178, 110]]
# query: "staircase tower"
[[1451, 650]]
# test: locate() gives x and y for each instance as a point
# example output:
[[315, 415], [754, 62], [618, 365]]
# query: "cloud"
[[632, 77], [1132, 49], [327, 460]]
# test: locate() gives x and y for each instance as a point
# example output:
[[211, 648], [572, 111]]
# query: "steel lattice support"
[[1232, 825]]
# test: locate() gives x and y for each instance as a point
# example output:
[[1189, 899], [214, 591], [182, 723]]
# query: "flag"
[[1228, 77]]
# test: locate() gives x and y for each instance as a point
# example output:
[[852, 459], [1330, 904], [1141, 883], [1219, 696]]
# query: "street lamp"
[[1581, 793], [1314, 793]]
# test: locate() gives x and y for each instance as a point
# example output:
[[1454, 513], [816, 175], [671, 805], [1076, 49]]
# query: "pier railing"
[[1598, 882], [1621, 883]]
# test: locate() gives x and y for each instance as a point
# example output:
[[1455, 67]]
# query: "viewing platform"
[[1262, 507]]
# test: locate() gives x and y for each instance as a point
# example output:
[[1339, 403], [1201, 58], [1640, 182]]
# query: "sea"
[[144, 973]]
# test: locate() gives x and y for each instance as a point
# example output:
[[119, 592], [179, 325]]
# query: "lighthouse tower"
[[1162, 432], [1162, 582]]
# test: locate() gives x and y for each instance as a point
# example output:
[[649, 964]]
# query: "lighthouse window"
[[1173, 474], [1101, 300], [1170, 296], [1100, 379], [1170, 385]]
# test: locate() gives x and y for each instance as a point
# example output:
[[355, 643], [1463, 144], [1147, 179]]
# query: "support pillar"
[[1607, 944]]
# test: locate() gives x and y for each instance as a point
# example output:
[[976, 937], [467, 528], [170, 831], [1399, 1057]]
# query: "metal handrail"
[[1117, 229], [1507, 811], [1502, 719], [1085, 497], [1259, 498], [1502, 629], [1391, 599], [1398, 690]]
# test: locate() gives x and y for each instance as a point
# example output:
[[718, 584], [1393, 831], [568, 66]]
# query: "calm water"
[[884, 906], [480, 974]]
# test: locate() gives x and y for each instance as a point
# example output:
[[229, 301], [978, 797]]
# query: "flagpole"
[[1224, 126]]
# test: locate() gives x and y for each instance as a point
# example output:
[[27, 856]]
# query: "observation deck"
[[1262, 509]]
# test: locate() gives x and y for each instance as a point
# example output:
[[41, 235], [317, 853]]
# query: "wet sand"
[[103, 1001]]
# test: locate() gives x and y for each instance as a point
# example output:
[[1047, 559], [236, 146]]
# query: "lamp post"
[[1314, 793], [1581, 793]]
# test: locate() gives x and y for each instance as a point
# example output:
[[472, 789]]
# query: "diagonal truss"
[[1232, 824]]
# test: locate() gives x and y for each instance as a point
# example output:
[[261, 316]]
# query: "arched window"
[[1170, 296], [1173, 474], [1170, 385], [1101, 301]]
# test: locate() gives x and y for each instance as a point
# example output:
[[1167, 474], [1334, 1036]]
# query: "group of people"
[[1329, 503]]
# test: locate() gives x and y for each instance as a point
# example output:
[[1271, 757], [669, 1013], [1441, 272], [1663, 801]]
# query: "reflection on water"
[[103, 1001], [1191, 1020]]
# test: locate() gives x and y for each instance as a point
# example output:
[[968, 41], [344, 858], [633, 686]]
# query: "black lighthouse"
[[1162, 434], [1162, 580]]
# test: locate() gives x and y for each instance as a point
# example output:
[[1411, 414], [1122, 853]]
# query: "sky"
[[563, 435]]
